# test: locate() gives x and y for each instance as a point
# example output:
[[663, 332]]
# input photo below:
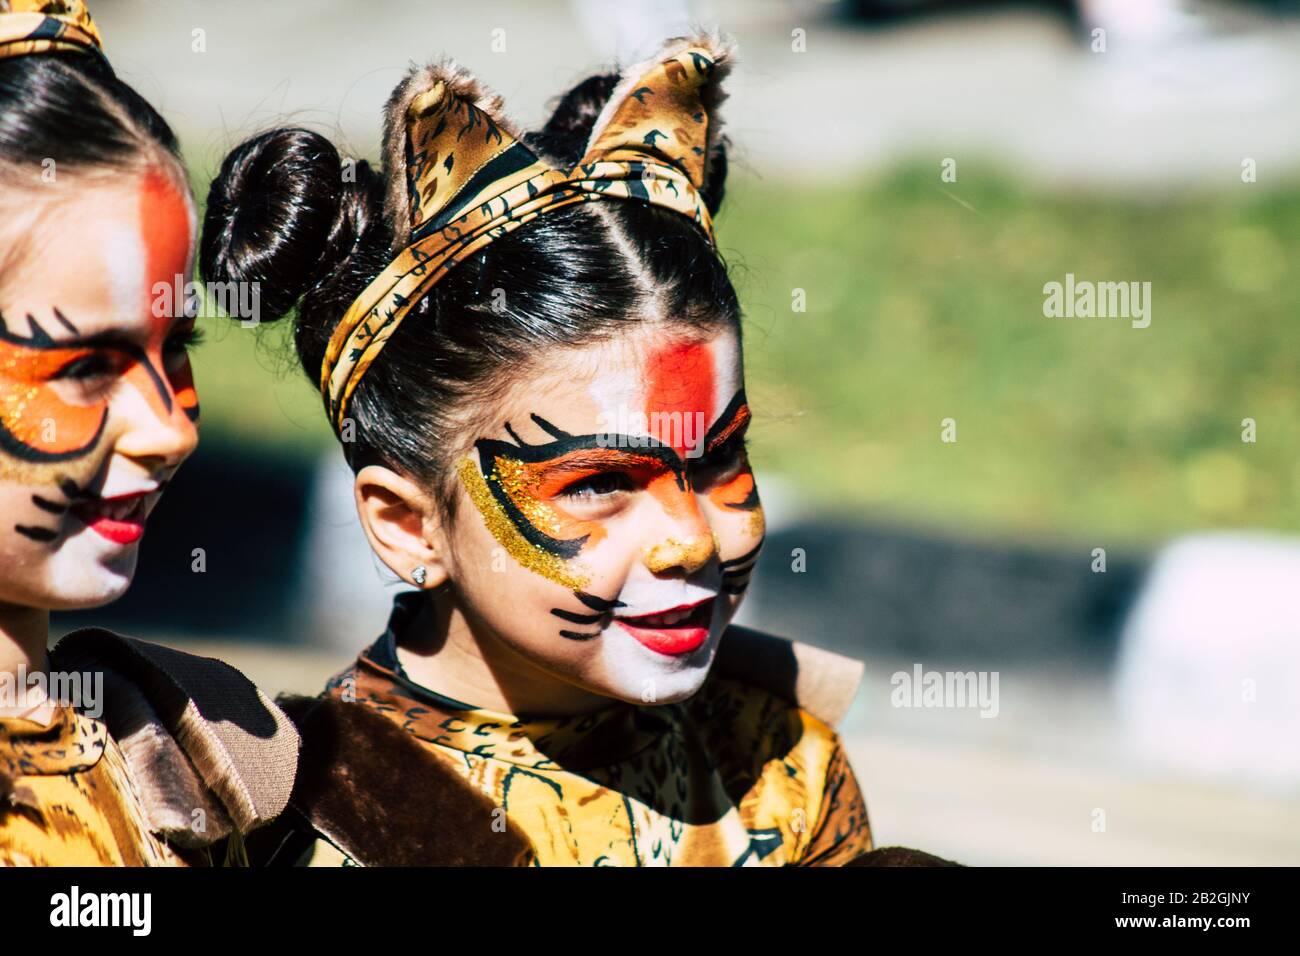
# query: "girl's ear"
[[401, 525]]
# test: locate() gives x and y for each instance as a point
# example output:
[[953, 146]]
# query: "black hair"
[[73, 109], [280, 214]]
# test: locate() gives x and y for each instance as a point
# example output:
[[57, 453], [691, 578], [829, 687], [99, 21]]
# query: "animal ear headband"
[[46, 26], [469, 179]]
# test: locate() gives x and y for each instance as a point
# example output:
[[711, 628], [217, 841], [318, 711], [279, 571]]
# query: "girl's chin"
[[98, 587], [655, 689], [64, 602]]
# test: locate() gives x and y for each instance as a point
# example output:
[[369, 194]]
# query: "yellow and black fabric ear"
[[667, 106], [447, 141], [46, 26]]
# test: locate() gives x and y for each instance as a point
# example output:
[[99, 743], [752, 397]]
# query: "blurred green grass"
[[924, 301], [253, 392]]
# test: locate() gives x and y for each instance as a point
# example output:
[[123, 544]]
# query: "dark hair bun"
[[282, 213], [564, 137]]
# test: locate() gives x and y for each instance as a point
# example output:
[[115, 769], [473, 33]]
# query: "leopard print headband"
[[470, 180], [46, 26]]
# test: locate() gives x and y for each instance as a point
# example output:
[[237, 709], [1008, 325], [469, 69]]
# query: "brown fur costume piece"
[[463, 84], [196, 734], [370, 789]]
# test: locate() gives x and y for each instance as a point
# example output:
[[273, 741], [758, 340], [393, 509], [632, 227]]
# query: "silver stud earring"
[[419, 574]]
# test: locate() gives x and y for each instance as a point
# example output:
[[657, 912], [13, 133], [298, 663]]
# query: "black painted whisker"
[[597, 603], [574, 617]]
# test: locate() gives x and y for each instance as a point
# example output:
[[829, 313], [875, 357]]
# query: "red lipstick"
[[120, 519], [676, 631]]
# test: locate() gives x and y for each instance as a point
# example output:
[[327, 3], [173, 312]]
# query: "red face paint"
[[679, 389], [165, 217]]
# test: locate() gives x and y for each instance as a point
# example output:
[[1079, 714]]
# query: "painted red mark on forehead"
[[679, 379], [165, 224]]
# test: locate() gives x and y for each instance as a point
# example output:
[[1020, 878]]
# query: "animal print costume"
[[733, 776], [68, 798], [46, 26], [188, 758]]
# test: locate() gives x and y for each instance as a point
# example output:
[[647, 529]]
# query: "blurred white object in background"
[[1145, 21], [345, 593], [1209, 672]]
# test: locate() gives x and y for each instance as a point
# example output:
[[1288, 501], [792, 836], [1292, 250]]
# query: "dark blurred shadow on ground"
[[884, 591]]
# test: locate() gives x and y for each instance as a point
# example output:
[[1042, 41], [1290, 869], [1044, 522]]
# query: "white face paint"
[[124, 266], [657, 677], [637, 609]]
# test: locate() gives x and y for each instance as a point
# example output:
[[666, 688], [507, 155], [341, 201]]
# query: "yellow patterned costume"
[[69, 800], [188, 758], [733, 776], [30, 27]]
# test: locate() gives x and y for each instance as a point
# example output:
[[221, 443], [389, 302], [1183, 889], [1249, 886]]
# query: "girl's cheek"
[[736, 532], [737, 506], [739, 528], [516, 534]]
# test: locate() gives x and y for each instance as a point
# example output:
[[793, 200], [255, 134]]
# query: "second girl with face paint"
[[110, 753], [530, 349]]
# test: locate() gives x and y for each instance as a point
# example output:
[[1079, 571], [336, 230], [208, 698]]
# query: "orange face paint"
[[739, 491], [36, 425]]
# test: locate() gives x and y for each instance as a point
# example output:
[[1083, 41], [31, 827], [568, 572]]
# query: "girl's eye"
[[598, 486], [87, 369]]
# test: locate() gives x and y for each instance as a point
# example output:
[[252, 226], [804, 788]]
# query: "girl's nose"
[[679, 533], [689, 554]]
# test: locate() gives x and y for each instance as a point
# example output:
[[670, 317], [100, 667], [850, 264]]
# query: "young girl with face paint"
[[531, 352], [97, 412]]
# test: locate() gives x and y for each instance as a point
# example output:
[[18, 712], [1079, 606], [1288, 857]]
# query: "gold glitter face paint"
[[690, 555], [530, 555], [517, 485], [521, 485]]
